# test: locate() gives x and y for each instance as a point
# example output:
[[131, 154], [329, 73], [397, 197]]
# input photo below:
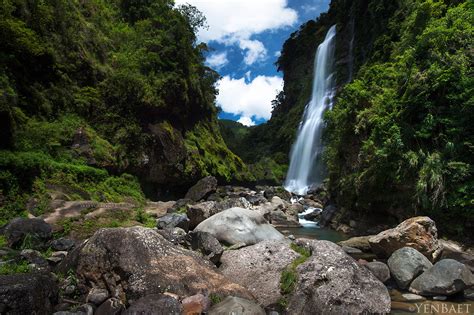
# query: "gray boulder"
[[135, 262], [326, 216], [203, 188], [235, 305], [406, 264], [156, 304], [379, 269], [446, 277], [36, 229], [62, 244], [238, 225], [207, 244], [112, 306], [28, 293], [176, 235], [97, 296], [331, 282], [258, 268], [172, 220], [200, 212]]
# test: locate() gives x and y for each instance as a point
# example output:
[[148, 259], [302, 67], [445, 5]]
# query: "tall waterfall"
[[306, 167]]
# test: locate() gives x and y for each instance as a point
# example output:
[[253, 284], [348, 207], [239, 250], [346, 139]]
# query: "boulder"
[[379, 269], [258, 268], [196, 304], [203, 188], [156, 304], [36, 229], [418, 232], [112, 306], [172, 220], [256, 199], [97, 296], [28, 293], [176, 235], [236, 305], [406, 264], [134, 262], [331, 282], [200, 212], [455, 251], [238, 225], [228, 203], [62, 244], [446, 277], [359, 242], [159, 208], [207, 244], [326, 216], [34, 257]]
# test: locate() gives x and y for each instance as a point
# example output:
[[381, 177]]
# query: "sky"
[[245, 38]]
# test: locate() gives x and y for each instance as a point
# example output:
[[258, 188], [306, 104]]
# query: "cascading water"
[[306, 166]]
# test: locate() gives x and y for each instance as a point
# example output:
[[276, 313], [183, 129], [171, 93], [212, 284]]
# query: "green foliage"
[[11, 268], [289, 276], [3, 241], [215, 298], [144, 218]]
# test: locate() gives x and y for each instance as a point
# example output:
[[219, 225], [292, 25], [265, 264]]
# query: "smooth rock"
[[236, 306], [258, 268], [202, 188], [238, 225], [155, 304], [406, 264], [172, 220], [446, 277], [196, 304], [351, 250], [359, 242], [379, 269], [332, 282], [17, 229], [207, 244], [419, 233], [413, 297]]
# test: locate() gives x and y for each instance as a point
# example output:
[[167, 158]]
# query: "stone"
[[446, 277], [196, 304], [237, 306], [419, 233], [257, 199], [440, 298], [159, 208], [112, 306], [202, 188], [326, 216], [461, 256], [172, 220], [239, 202], [156, 304], [62, 244], [413, 297], [406, 264], [359, 242], [137, 261], [379, 269], [207, 244], [28, 293], [238, 225], [332, 282], [200, 212], [97, 296], [176, 235], [34, 257], [258, 268], [36, 229], [351, 250]]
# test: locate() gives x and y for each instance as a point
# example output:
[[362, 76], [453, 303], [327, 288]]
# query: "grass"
[[3, 241], [14, 268], [289, 276], [215, 299]]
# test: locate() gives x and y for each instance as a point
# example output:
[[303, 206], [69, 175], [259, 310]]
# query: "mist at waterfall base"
[[306, 167]]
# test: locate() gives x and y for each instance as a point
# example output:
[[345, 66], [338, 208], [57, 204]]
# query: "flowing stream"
[[306, 167]]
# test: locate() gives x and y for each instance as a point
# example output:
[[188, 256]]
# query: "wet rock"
[[406, 264], [158, 304], [238, 225], [112, 306], [331, 282], [379, 269], [419, 233], [207, 244], [258, 268], [236, 305], [28, 293], [446, 277], [36, 229], [196, 304], [202, 188], [172, 220]]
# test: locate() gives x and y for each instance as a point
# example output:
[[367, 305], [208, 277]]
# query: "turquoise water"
[[314, 233]]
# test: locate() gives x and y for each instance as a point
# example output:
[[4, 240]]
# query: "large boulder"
[[446, 277], [359, 242], [137, 261], [406, 264], [36, 229], [172, 220], [200, 212], [203, 188], [327, 215], [207, 244], [379, 269], [258, 268], [236, 305], [29, 293], [238, 225], [418, 232], [159, 304], [331, 282]]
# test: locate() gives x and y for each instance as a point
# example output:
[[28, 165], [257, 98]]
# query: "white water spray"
[[306, 167]]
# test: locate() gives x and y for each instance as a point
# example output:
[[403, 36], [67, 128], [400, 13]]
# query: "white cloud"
[[252, 99], [217, 60], [240, 19], [277, 54], [254, 51], [246, 121]]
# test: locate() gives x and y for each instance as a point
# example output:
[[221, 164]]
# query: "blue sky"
[[245, 37]]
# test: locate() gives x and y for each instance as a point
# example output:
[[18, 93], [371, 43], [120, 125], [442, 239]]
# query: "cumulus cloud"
[[254, 51], [248, 99], [240, 19], [217, 60], [246, 121]]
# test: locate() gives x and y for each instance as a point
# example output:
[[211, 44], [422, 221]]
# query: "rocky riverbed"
[[225, 249]]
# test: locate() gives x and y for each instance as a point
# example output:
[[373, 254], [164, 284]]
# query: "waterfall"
[[306, 167]]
